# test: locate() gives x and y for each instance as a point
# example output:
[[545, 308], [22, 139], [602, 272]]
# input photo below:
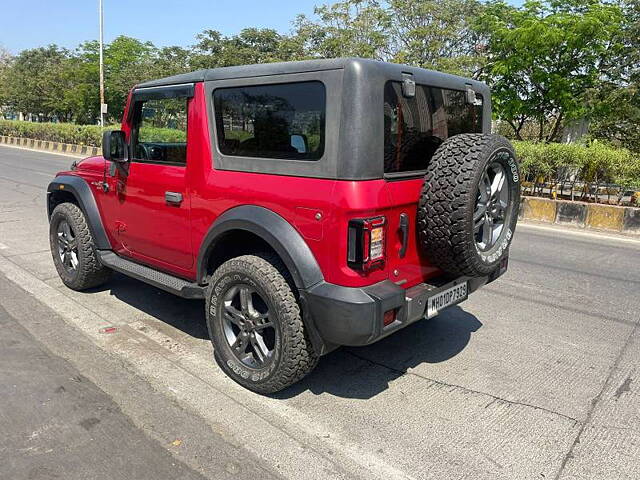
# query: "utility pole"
[[103, 106]]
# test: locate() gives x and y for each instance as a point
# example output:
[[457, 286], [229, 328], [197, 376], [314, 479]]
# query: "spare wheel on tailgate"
[[469, 204]]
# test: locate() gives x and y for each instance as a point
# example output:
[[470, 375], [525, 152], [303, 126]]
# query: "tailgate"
[[413, 267]]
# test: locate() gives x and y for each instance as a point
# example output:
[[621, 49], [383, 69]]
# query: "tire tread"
[[445, 202], [91, 273], [298, 357]]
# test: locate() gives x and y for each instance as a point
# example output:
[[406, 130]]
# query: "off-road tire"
[[294, 356], [89, 272], [448, 200]]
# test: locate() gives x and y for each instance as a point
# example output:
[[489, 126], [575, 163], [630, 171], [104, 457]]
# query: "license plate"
[[446, 298]]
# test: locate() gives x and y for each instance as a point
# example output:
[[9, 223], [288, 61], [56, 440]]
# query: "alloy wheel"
[[67, 246], [248, 327], [490, 211]]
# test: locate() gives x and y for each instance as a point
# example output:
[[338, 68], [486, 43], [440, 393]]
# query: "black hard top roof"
[[266, 69]]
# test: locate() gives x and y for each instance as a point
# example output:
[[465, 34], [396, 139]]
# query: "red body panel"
[[142, 226], [151, 230]]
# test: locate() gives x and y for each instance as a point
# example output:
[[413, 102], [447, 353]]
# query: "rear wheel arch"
[[258, 228]]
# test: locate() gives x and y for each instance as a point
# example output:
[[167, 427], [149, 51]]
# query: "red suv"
[[310, 204]]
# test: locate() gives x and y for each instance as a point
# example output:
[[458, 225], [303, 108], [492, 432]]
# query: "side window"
[[415, 127], [283, 121], [160, 131]]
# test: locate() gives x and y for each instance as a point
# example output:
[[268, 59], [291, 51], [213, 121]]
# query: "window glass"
[[415, 127], [271, 121], [162, 131]]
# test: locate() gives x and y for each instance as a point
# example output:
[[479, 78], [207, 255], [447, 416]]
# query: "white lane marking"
[[3, 246], [579, 233]]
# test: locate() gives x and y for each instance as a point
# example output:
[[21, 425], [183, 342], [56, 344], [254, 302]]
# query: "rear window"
[[271, 121], [415, 127]]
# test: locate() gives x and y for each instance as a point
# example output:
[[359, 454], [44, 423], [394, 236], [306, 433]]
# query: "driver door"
[[154, 207]]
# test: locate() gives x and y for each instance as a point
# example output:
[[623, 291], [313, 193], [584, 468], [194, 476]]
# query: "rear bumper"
[[354, 316]]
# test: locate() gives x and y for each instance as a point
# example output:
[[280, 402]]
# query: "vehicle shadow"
[[349, 372], [363, 372], [185, 315]]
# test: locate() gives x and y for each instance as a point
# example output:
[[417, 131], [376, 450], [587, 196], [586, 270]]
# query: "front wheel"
[[73, 249], [256, 325]]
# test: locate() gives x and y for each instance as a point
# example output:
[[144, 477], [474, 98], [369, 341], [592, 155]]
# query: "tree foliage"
[[548, 62], [426, 33], [542, 58], [251, 45], [351, 28], [36, 81], [616, 103], [436, 34]]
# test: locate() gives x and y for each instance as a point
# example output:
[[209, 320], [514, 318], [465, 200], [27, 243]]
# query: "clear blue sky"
[[34, 23]]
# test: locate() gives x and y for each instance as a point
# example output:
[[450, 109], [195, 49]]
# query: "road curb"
[[48, 146], [582, 215]]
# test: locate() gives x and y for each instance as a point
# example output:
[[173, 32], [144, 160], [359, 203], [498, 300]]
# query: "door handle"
[[174, 198], [404, 230]]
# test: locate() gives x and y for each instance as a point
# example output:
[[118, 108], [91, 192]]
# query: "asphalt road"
[[535, 376]]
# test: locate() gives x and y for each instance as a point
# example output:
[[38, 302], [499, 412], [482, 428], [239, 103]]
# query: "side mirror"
[[300, 143], [114, 146]]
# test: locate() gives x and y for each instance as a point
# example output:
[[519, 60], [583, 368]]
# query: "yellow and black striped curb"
[[580, 214], [70, 149]]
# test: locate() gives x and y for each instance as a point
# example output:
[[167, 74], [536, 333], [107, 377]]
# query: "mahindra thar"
[[310, 204]]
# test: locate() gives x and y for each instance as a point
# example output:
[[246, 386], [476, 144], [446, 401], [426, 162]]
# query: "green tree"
[[171, 61], [35, 82], [6, 60], [251, 45], [436, 34], [83, 97], [616, 105], [544, 57], [127, 62], [425, 33], [358, 28]]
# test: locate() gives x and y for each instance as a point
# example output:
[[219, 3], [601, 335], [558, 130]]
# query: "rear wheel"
[[73, 249], [256, 326]]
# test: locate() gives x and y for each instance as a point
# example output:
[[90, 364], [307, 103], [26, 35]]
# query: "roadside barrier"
[[582, 215], [45, 145]]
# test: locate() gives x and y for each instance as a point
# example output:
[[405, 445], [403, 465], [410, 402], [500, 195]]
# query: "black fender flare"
[[81, 191], [273, 229]]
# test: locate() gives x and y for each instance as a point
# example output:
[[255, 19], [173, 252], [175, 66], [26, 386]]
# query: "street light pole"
[[102, 104]]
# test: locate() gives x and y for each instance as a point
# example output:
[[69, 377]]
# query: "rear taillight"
[[365, 246]]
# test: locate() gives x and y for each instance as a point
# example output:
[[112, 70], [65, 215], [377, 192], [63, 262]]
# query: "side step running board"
[[169, 283]]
